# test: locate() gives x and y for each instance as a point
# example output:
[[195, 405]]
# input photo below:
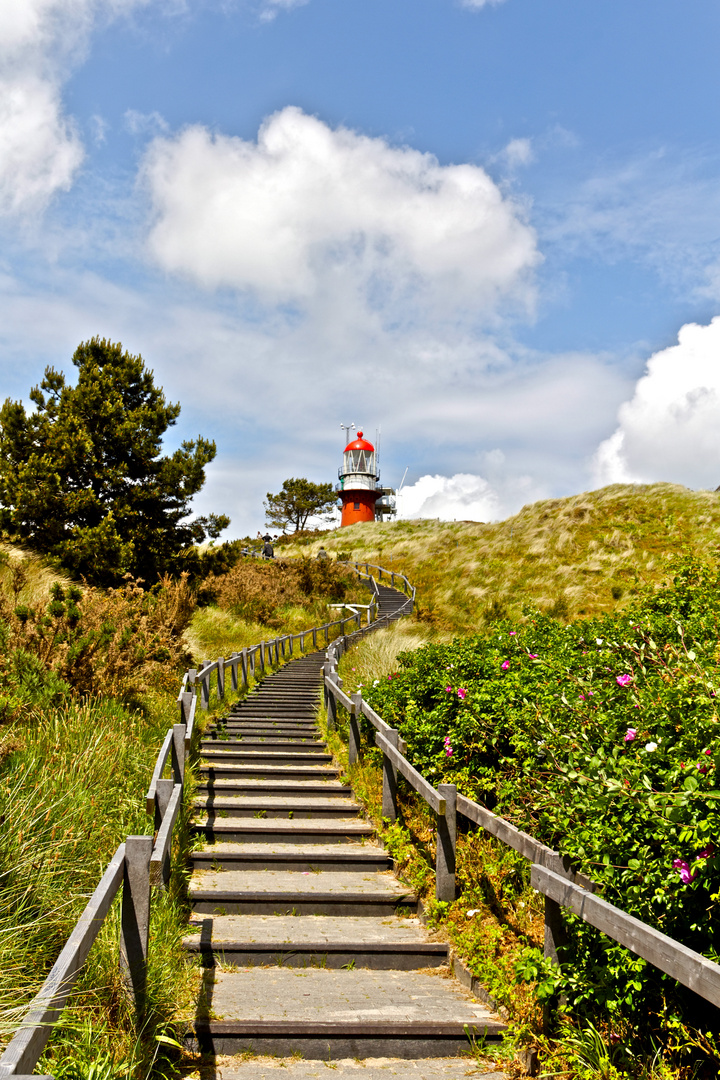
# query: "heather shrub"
[[118, 643], [261, 592]]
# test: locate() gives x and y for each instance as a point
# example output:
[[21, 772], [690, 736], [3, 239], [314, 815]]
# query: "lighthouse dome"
[[360, 444]]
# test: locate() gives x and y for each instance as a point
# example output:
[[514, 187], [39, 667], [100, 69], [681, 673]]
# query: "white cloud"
[[462, 496], [40, 149], [138, 123], [475, 5], [467, 496], [271, 8], [661, 207], [308, 212], [517, 152], [670, 429]]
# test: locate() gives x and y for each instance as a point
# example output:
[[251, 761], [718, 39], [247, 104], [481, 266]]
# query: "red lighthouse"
[[358, 488]]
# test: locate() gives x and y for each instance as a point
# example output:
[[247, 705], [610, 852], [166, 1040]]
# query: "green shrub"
[[600, 738]]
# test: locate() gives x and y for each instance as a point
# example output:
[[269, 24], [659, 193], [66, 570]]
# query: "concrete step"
[[348, 857], [390, 943], [274, 830], [324, 892], [276, 806], [327, 1014]]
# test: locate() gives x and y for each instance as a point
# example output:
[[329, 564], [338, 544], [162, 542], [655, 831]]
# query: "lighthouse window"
[[356, 506]]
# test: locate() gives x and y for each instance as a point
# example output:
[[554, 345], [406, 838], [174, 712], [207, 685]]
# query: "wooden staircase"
[[310, 944]]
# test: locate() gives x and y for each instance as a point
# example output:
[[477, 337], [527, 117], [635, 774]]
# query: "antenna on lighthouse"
[[347, 428], [403, 480]]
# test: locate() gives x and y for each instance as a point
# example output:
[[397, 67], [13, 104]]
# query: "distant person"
[[268, 549], [322, 554]]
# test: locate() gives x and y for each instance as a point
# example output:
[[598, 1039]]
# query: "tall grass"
[[71, 790]]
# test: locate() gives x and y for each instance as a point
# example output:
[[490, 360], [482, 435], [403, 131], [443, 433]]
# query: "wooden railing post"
[[354, 731], [205, 691], [234, 672], [555, 932], [221, 678], [251, 655], [314, 636], [262, 657], [135, 918], [332, 705], [555, 940], [178, 752], [389, 782], [291, 642], [446, 844], [185, 702], [164, 791]]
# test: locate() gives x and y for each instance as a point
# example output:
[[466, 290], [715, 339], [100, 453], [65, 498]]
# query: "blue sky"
[[490, 229]]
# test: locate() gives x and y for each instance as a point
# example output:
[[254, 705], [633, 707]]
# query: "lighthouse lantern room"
[[359, 488]]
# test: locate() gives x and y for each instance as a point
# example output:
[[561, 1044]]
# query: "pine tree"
[[82, 478]]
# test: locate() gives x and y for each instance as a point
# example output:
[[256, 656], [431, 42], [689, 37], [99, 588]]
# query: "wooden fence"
[[143, 862], [551, 873]]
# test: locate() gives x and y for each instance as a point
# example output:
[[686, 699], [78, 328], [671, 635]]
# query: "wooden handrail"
[[26, 1046], [688, 967], [164, 836], [411, 774]]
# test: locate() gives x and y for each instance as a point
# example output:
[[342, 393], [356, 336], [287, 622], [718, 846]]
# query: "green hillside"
[[583, 555]]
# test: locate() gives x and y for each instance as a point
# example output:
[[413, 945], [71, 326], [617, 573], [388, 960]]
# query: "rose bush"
[[600, 738]]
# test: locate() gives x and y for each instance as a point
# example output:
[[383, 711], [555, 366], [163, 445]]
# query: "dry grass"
[[376, 654], [581, 555]]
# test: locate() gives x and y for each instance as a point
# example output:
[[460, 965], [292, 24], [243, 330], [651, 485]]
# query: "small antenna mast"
[[347, 428]]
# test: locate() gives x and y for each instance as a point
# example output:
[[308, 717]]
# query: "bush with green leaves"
[[602, 739]]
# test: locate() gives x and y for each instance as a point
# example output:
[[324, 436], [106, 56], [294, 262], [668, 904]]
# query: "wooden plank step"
[[348, 857], [275, 807], [259, 756], [294, 1068], [307, 742], [348, 941], [300, 789], [274, 830], [228, 770], [327, 1014]]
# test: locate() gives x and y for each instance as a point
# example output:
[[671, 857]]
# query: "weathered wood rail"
[[142, 863], [551, 873]]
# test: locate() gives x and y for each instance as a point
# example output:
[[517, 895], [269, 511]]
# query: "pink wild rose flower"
[[683, 868], [630, 734], [505, 665], [623, 680], [462, 693]]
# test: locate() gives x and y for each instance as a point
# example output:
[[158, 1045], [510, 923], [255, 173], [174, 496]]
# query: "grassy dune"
[[582, 555]]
